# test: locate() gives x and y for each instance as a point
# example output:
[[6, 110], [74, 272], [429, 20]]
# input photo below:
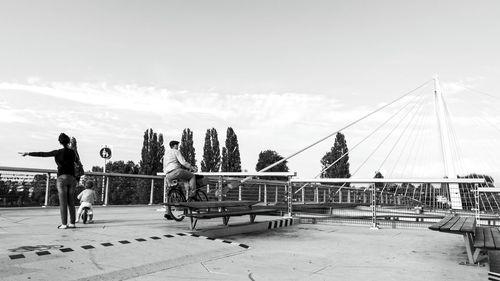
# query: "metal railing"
[[255, 189], [323, 196], [373, 189]]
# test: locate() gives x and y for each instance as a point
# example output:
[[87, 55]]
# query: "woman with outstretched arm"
[[65, 159]]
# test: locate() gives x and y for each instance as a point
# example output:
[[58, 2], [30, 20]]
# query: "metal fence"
[[377, 203]]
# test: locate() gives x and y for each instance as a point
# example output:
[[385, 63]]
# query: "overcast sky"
[[282, 74]]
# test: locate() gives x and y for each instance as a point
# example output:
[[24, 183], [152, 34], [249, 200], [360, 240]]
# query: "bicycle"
[[176, 195]]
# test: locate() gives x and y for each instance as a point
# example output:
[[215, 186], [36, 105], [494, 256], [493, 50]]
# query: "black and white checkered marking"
[[124, 242], [280, 223]]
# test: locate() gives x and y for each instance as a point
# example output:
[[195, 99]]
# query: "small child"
[[87, 197]]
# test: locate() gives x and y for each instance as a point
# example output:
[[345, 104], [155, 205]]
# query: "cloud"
[[99, 113]]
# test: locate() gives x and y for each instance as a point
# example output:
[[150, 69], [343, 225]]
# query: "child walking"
[[87, 197]]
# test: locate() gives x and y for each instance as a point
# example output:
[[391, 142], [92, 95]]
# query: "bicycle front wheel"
[[176, 212], [200, 195]]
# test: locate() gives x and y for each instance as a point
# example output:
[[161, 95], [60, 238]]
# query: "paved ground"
[[136, 243]]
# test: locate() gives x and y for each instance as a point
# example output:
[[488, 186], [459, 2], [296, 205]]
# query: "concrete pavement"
[[136, 243]]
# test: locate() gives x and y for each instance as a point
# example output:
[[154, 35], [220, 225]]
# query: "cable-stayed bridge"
[[431, 146]]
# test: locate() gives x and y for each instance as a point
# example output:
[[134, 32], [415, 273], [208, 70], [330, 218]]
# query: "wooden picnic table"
[[465, 226], [225, 209]]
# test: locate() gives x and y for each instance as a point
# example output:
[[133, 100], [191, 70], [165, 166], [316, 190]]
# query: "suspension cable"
[[343, 128], [360, 142]]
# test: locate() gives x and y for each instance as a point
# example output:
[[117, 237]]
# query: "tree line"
[[214, 159]]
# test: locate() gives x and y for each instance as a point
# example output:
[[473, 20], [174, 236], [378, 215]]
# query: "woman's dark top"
[[65, 160]]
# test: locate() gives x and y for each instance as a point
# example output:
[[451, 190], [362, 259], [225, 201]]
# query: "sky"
[[282, 73]]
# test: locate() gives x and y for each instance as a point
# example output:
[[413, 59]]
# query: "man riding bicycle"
[[176, 167]]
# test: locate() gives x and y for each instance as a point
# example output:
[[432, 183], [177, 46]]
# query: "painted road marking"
[[108, 244]]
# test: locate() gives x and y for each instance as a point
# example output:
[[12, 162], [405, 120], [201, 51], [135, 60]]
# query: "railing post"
[[107, 191], [239, 192], [220, 188], [260, 190], [276, 195], [316, 195], [165, 189], [374, 209], [348, 196], [324, 196], [476, 201], [152, 190], [47, 191], [265, 194], [289, 197], [303, 195], [340, 195]]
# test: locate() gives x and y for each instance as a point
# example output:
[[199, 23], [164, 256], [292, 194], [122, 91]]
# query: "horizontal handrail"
[[384, 180], [244, 174], [52, 171]]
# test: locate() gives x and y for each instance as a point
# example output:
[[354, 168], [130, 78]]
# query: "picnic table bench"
[[221, 209], [476, 238], [465, 226]]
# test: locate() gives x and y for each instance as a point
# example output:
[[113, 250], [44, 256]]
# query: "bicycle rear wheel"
[[175, 196]]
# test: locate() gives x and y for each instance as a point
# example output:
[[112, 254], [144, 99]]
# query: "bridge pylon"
[[446, 145]]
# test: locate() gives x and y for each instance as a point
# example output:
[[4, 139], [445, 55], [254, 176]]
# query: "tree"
[[152, 153], [211, 152], [151, 163], [187, 148], [269, 157], [340, 167], [125, 190], [231, 161], [378, 175]]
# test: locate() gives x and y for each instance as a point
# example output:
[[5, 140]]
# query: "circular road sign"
[[105, 152]]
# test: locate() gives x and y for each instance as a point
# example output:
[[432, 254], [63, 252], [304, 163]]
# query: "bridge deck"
[[136, 243]]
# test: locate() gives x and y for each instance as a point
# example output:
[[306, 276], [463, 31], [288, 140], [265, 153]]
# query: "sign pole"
[[103, 183], [105, 153]]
